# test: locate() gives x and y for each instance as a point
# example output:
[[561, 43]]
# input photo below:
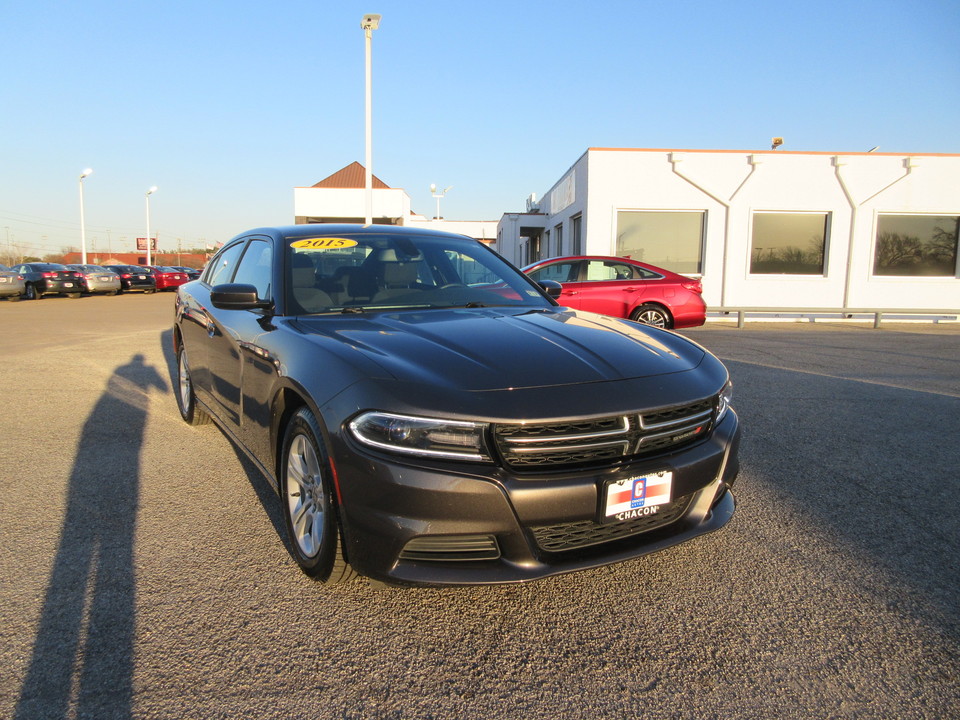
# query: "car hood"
[[502, 348]]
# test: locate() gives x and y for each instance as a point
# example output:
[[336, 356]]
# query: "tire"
[[186, 399], [309, 509], [14, 298], [652, 314], [74, 296], [30, 292]]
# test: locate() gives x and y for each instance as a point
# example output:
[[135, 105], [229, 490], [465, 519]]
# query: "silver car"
[[12, 285], [98, 279]]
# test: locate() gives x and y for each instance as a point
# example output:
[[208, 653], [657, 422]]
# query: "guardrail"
[[845, 313]]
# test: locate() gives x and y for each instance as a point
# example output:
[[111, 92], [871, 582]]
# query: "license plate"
[[142, 277], [636, 497], [68, 284], [5, 279]]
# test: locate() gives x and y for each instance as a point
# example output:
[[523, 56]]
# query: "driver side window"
[[221, 267], [256, 268]]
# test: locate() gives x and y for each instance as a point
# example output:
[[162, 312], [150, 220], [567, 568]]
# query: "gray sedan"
[[12, 285], [98, 279]]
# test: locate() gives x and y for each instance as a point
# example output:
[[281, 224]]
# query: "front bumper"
[[407, 524]]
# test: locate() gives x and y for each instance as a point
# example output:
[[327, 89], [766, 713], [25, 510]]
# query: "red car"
[[167, 278], [624, 288]]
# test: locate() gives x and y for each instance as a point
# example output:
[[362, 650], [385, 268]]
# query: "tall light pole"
[[369, 24], [83, 225], [150, 192], [438, 195]]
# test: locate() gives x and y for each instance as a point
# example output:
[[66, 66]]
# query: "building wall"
[[731, 187], [346, 204]]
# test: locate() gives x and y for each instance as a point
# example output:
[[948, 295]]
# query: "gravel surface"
[[145, 574]]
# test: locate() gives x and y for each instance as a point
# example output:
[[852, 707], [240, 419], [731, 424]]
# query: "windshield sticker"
[[325, 243]]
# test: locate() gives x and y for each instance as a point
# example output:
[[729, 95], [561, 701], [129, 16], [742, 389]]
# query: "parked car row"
[[33, 280]]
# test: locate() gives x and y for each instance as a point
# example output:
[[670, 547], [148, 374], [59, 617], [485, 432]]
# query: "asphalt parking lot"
[[144, 572]]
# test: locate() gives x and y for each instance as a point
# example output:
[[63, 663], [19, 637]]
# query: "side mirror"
[[237, 296], [551, 288]]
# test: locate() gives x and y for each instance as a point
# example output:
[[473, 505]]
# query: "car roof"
[[334, 229], [604, 258]]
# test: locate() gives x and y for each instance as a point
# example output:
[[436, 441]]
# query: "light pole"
[[150, 192], [83, 226], [369, 24], [438, 195]]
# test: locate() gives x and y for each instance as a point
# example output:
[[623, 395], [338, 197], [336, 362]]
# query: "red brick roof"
[[352, 176]]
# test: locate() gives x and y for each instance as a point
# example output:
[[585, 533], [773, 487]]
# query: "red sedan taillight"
[[49, 274], [693, 286]]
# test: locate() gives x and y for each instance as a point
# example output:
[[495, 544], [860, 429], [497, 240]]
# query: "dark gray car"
[[49, 279]]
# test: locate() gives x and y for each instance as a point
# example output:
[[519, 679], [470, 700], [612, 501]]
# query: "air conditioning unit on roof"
[[532, 204]]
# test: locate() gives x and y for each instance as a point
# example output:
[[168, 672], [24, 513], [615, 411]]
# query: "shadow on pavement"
[[83, 657]]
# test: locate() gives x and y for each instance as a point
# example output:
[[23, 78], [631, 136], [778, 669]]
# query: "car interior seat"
[[302, 278]]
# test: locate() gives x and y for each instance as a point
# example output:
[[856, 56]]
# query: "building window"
[[789, 243], [558, 234], [917, 245], [671, 240], [577, 233]]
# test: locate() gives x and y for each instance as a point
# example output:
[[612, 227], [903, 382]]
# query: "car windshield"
[[356, 273]]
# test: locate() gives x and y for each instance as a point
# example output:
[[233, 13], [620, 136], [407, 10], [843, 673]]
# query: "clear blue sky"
[[227, 106]]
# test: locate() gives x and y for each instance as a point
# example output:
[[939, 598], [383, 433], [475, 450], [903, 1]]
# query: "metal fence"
[[878, 314]]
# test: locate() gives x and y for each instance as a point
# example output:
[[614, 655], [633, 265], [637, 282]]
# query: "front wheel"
[[650, 314], [186, 399], [308, 504]]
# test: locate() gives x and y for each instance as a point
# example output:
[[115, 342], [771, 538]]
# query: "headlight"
[[426, 437], [726, 397]]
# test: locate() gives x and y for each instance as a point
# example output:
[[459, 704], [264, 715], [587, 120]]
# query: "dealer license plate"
[[636, 497]]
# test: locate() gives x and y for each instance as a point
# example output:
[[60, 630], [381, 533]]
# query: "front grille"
[[606, 440], [577, 535]]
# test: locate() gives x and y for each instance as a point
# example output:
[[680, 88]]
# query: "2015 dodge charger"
[[430, 415]]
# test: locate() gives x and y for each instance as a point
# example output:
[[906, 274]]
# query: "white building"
[[763, 229], [341, 198]]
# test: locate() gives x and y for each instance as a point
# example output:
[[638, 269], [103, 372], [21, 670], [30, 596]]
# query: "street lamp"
[[83, 227], [150, 192], [368, 25], [438, 195]]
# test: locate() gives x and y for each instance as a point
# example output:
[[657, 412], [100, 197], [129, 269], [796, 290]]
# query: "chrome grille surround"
[[602, 441]]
